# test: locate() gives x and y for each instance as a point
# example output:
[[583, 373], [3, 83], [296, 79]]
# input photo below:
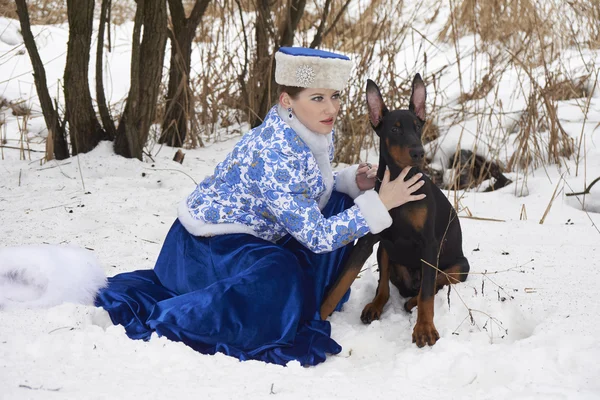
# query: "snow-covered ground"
[[523, 326]]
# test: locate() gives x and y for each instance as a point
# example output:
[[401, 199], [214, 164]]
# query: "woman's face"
[[316, 109]]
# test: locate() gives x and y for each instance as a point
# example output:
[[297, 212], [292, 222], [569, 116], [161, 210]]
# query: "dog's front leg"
[[373, 310], [424, 331], [359, 255]]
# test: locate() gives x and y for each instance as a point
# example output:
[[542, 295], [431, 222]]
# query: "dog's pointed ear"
[[375, 104], [418, 97]]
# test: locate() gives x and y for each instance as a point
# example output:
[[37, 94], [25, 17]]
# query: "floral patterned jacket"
[[275, 182]]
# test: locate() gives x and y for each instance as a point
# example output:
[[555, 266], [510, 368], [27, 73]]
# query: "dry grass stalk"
[[523, 35], [549, 206], [24, 147], [51, 12], [523, 215], [49, 146], [492, 321], [3, 140], [582, 138], [20, 109], [529, 36], [8, 9]]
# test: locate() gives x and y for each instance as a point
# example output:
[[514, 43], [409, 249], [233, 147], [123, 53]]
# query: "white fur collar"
[[318, 145]]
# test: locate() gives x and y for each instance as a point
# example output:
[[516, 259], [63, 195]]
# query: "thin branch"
[[18, 148], [198, 11], [584, 210], [176, 170], [337, 18], [587, 189], [319, 35]]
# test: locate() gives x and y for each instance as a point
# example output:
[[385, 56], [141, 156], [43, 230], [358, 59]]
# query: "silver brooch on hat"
[[305, 75]]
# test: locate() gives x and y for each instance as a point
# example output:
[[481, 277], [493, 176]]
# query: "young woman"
[[244, 268]]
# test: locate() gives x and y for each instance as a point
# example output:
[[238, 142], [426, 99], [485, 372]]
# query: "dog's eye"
[[395, 129]]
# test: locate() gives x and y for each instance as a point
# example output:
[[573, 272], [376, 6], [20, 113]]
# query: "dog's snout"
[[417, 154]]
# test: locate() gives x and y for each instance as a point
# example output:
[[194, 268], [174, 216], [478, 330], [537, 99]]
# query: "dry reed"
[[526, 38]]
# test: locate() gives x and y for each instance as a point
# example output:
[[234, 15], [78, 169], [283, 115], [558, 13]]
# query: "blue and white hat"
[[311, 68]]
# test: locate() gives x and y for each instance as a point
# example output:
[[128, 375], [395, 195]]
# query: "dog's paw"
[[370, 313], [425, 333], [410, 304]]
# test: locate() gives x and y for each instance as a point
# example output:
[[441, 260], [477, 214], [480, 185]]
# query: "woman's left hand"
[[366, 175]]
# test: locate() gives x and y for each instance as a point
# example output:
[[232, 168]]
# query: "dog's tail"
[[40, 276]]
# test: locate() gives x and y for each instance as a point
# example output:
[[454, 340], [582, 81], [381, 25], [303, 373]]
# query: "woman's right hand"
[[397, 192]]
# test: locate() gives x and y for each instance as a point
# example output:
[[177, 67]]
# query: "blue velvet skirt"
[[235, 294]]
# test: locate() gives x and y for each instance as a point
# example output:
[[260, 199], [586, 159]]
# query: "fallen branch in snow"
[[39, 388], [146, 240], [584, 210], [511, 269], [455, 280], [176, 170], [54, 166], [60, 205], [587, 189], [490, 318], [62, 327], [471, 216], [472, 310], [18, 148], [482, 219]]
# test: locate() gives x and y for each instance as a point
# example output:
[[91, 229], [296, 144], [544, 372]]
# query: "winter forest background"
[[97, 97]]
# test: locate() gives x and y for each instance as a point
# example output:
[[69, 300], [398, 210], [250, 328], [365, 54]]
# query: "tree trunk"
[[56, 132], [179, 99], [84, 129], [264, 71], [146, 73], [295, 12], [262, 77], [107, 121]]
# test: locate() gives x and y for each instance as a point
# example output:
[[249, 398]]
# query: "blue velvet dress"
[[235, 294]]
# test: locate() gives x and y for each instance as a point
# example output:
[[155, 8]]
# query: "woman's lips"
[[327, 121]]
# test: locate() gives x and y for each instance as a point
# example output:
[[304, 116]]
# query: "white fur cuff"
[[197, 227], [374, 211], [345, 181]]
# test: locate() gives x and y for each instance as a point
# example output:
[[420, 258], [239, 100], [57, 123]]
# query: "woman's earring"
[[289, 110]]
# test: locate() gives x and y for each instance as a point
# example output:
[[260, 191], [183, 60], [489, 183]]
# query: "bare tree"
[[321, 31], [84, 129], [259, 92], [147, 60], [107, 121], [179, 99], [56, 131]]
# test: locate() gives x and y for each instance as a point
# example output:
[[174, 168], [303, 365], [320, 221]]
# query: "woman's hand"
[[397, 192], [366, 175]]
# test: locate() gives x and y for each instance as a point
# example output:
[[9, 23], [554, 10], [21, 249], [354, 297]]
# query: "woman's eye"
[[318, 98], [336, 96]]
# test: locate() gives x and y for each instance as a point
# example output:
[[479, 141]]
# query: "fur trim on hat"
[[312, 71]]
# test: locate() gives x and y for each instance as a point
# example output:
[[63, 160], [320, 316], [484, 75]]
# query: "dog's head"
[[399, 130]]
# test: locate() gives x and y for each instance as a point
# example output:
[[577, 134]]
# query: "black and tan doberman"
[[422, 250]]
